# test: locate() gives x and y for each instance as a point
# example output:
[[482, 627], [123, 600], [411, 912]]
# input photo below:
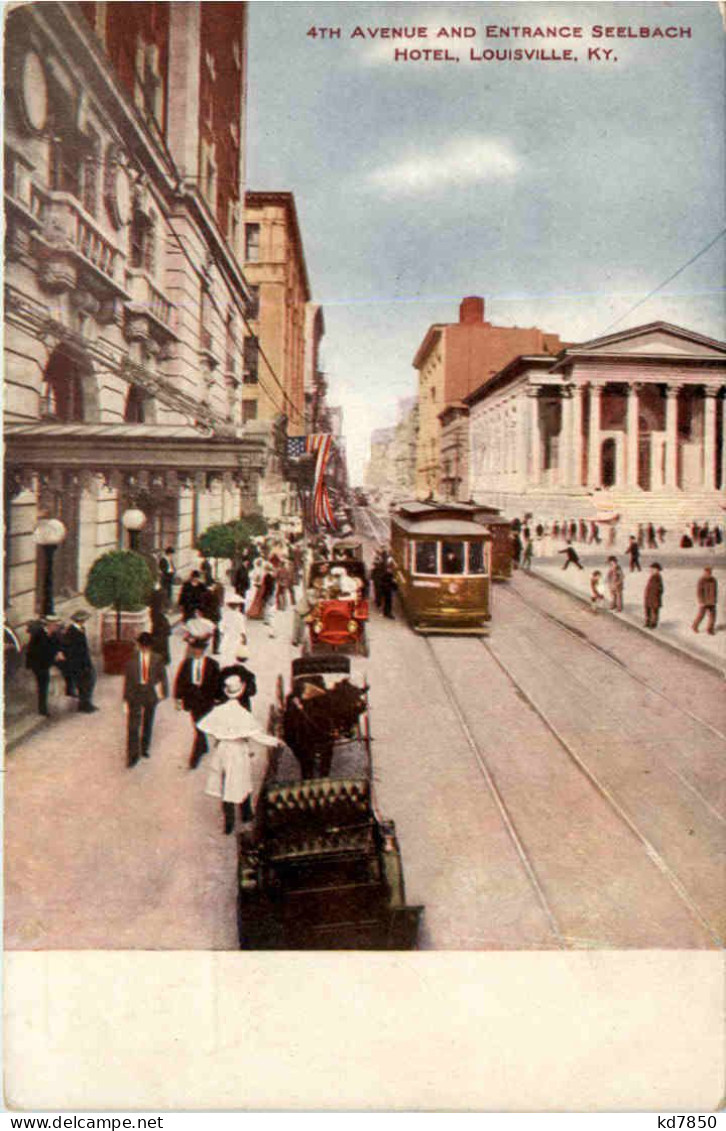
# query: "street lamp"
[[133, 520], [49, 533]]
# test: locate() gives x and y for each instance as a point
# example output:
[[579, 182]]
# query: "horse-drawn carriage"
[[322, 871]]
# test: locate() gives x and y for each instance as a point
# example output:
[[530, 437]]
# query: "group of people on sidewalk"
[[706, 594], [55, 642]]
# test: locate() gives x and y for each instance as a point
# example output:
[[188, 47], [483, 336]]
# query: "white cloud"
[[462, 162]]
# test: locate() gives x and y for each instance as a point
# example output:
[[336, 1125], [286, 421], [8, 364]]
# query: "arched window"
[[61, 395], [135, 410]]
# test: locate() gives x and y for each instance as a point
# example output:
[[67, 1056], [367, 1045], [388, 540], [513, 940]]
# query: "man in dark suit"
[[145, 684], [196, 690], [191, 596], [166, 571], [43, 651], [78, 666]]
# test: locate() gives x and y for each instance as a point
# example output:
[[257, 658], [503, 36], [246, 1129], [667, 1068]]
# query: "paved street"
[[560, 785]]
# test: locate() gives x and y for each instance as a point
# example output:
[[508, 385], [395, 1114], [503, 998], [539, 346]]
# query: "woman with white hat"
[[236, 733]]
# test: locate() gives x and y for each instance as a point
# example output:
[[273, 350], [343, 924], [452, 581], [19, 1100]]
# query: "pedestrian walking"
[[653, 596], [662, 534], [707, 595], [379, 568], [145, 685], [196, 690], [388, 588], [234, 629], [239, 668], [160, 633], [211, 610], [191, 597], [235, 733], [241, 579], [616, 584], [268, 590], [205, 570], [167, 572], [633, 551], [528, 554], [43, 651], [597, 597], [571, 556], [78, 664], [516, 548], [651, 537], [254, 608]]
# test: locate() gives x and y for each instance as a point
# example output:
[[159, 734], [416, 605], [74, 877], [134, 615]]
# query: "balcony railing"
[[67, 225], [148, 298]]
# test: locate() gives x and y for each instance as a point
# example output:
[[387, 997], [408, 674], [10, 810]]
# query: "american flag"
[[320, 445], [296, 446]]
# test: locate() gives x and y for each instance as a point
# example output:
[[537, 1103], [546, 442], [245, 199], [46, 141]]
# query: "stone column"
[[631, 455], [723, 444], [521, 465], [593, 456], [576, 458], [564, 449], [709, 439], [535, 441], [671, 453]]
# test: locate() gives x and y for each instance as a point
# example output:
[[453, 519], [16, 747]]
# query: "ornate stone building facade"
[[125, 303], [632, 420]]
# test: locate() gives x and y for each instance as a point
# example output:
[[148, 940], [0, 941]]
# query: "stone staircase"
[[672, 509]]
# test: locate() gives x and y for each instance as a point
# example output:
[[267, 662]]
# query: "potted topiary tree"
[[228, 539], [120, 583]]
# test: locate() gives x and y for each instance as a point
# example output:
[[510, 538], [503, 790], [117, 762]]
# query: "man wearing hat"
[[145, 684], [196, 690], [78, 666], [43, 651]]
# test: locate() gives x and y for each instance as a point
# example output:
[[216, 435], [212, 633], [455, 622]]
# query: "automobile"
[[321, 869]]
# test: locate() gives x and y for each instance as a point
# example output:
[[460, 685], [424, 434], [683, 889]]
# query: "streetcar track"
[[651, 851], [498, 799], [587, 641], [664, 759]]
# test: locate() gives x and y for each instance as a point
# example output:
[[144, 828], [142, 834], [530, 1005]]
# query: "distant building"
[[380, 469], [634, 421], [452, 361], [275, 354]]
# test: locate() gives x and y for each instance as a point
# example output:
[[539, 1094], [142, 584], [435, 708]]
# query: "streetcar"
[[322, 871], [443, 561], [500, 529]]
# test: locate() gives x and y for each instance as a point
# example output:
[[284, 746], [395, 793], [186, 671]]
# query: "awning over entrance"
[[142, 452]]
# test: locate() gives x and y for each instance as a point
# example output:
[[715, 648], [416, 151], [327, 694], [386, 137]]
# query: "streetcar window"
[[476, 557], [452, 557], [426, 555]]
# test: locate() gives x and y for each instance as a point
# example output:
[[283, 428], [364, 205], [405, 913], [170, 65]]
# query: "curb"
[[681, 649]]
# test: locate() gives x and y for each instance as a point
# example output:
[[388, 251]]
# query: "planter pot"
[[116, 655], [117, 652]]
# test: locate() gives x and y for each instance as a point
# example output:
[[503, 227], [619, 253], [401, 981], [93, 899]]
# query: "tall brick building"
[[452, 361]]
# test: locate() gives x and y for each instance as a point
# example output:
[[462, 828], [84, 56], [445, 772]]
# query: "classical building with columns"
[[633, 421]]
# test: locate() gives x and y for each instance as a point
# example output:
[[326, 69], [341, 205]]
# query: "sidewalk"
[[680, 575]]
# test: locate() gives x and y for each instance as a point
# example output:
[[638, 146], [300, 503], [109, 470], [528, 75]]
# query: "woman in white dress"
[[237, 734], [254, 593], [234, 630]]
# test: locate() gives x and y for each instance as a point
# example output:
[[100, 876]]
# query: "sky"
[[562, 192]]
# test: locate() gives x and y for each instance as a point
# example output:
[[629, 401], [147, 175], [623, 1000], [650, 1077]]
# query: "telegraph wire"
[[665, 283]]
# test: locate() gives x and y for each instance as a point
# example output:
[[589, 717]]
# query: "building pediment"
[[658, 339]]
